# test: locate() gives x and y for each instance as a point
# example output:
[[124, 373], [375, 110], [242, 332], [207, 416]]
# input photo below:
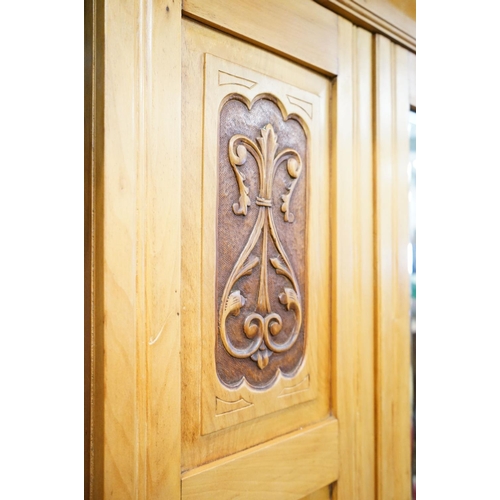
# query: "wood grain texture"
[[292, 29], [135, 252], [392, 278], [278, 392], [324, 493], [139, 228], [121, 454], [162, 252], [93, 147], [207, 435], [394, 19], [353, 369], [269, 471], [88, 101], [261, 242]]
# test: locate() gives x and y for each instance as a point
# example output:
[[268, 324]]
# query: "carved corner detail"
[[223, 407], [229, 79], [303, 385], [304, 105]]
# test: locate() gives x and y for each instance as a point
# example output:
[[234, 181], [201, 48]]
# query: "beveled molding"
[[379, 16], [224, 403], [299, 30]]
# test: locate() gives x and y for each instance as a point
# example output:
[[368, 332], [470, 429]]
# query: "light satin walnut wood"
[[160, 413], [301, 30], [261, 355], [286, 468], [220, 420]]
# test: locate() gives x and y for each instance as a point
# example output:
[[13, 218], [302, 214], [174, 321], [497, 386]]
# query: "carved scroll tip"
[[234, 303], [262, 358], [293, 167], [241, 152], [240, 209]]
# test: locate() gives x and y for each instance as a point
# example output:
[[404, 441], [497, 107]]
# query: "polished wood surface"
[[321, 494], [392, 375], [302, 385], [161, 194], [94, 105], [396, 19], [135, 253], [267, 469], [293, 29], [259, 415], [263, 176], [156, 413], [353, 395]]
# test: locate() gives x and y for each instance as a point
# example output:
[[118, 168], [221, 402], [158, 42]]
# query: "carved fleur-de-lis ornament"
[[262, 325]]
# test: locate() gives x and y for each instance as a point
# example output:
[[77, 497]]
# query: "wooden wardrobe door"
[[256, 274], [239, 340]]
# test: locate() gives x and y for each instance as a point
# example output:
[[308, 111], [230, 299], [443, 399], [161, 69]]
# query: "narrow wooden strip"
[[135, 250], [288, 467], [353, 260], [88, 140], [162, 246], [142, 95], [392, 290], [116, 213], [364, 268], [378, 17], [94, 386], [302, 31]]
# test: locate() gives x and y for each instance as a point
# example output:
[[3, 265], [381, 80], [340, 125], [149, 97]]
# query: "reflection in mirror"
[[412, 268]]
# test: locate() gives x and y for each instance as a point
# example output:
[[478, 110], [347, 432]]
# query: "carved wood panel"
[[261, 236], [259, 339]]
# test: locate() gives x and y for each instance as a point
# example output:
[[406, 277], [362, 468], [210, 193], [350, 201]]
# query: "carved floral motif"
[[262, 325]]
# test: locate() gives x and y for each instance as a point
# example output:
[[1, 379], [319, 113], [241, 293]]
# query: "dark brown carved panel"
[[261, 237]]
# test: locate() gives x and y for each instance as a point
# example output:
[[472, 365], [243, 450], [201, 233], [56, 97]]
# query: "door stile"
[[133, 176], [93, 154], [352, 188], [392, 372], [163, 251]]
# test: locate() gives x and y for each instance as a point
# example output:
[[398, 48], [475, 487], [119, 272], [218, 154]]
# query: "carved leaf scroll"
[[262, 325]]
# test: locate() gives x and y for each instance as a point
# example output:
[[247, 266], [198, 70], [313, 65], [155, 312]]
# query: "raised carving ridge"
[[263, 324], [304, 105], [223, 407], [229, 79], [303, 385]]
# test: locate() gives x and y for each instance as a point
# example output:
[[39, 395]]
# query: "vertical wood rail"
[[93, 147], [353, 390], [163, 251], [392, 373], [133, 249]]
